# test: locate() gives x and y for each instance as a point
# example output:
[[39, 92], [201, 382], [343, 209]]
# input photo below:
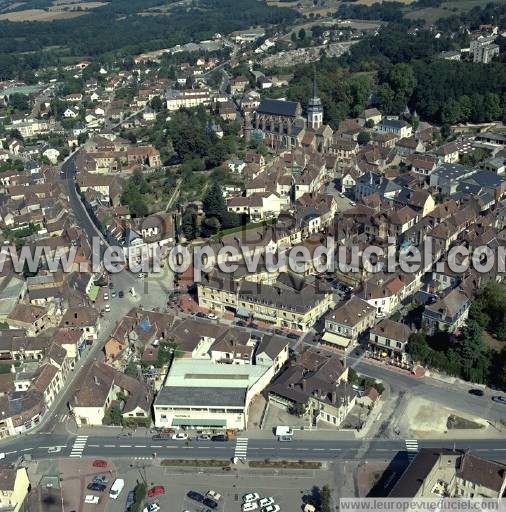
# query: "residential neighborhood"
[[269, 256]]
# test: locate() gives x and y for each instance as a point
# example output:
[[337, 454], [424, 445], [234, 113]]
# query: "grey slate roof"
[[278, 107], [201, 396]]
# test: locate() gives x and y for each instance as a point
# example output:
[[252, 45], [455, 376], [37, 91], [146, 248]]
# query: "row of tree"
[[466, 357]]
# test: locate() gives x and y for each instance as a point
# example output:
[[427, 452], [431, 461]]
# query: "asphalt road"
[[37, 447]]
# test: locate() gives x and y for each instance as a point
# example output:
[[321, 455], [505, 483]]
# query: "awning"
[[93, 293], [183, 422], [242, 312], [330, 337]]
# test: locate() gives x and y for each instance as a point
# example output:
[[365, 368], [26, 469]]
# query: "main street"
[[40, 447]]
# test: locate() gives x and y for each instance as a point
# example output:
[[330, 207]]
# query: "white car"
[[106, 296], [264, 502], [54, 449], [152, 507], [252, 496], [212, 316], [91, 500], [181, 436], [216, 496], [141, 275], [107, 308], [248, 507], [271, 508]]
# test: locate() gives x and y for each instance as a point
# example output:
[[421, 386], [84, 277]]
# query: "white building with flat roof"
[[202, 394]]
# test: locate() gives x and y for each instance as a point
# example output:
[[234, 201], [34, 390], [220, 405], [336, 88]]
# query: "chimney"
[[334, 397], [304, 385]]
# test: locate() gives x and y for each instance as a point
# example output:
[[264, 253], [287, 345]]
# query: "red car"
[[156, 490], [99, 463]]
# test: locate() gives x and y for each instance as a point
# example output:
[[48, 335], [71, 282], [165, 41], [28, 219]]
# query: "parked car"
[[99, 463], [476, 392], [111, 286], [152, 507], [91, 500], [212, 316], [292, 336], [160, 437], [264, 502], [200, 315], [499, 399], [252, 496], [116, 488], [240, 323], [101, 479], [130, 500], [142, 275], [204, 437], [196, 496], [219, 437], [271, 508], [209, 502], [216, 496], [156, 491], [121, 294], [285, 439], [253, 325], [248, 507], [106, 296], [113, 294], [107, 308], [180, 436], [94, 486]]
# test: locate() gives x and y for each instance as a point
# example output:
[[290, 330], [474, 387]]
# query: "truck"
[[116, 488], [283, 431]]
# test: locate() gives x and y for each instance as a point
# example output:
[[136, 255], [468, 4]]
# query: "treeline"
[[467, 357], [489, 310], [492, 13], [410, 74], [343, 94], [117, 27]]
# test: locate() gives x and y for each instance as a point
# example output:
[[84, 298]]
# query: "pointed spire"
[[314, 82]]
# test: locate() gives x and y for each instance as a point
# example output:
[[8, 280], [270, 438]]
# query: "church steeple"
[[314, 109]]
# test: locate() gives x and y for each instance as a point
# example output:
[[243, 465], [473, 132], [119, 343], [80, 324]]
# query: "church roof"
[[278, 107]]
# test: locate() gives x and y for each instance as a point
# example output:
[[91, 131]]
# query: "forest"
[[117, 27]]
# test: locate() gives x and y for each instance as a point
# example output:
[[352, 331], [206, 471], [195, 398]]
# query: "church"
[[283, 126]]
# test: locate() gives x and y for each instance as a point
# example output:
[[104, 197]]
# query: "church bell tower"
[[314, 109]]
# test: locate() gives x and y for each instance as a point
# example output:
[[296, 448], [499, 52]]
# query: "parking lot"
[[287, 487]]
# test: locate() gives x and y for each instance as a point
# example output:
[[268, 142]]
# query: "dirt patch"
[[65, 9], [424, 418], [456, 423], [40, 15]]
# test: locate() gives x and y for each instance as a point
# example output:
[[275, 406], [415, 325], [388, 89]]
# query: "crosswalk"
[[79, 446], [241, 447], [411, 448]]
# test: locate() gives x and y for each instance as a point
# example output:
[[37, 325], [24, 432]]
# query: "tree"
[[326, 499], [214, 204], [473, 353], [363, 138], [297, 409], [302, 34]]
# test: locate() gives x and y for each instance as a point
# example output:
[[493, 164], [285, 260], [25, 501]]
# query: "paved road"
[[138, 447]]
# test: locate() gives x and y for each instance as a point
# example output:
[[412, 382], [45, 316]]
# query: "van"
[[116, 488]]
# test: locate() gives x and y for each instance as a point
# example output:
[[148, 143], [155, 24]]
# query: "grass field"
[[447, 9], [60, 10]]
